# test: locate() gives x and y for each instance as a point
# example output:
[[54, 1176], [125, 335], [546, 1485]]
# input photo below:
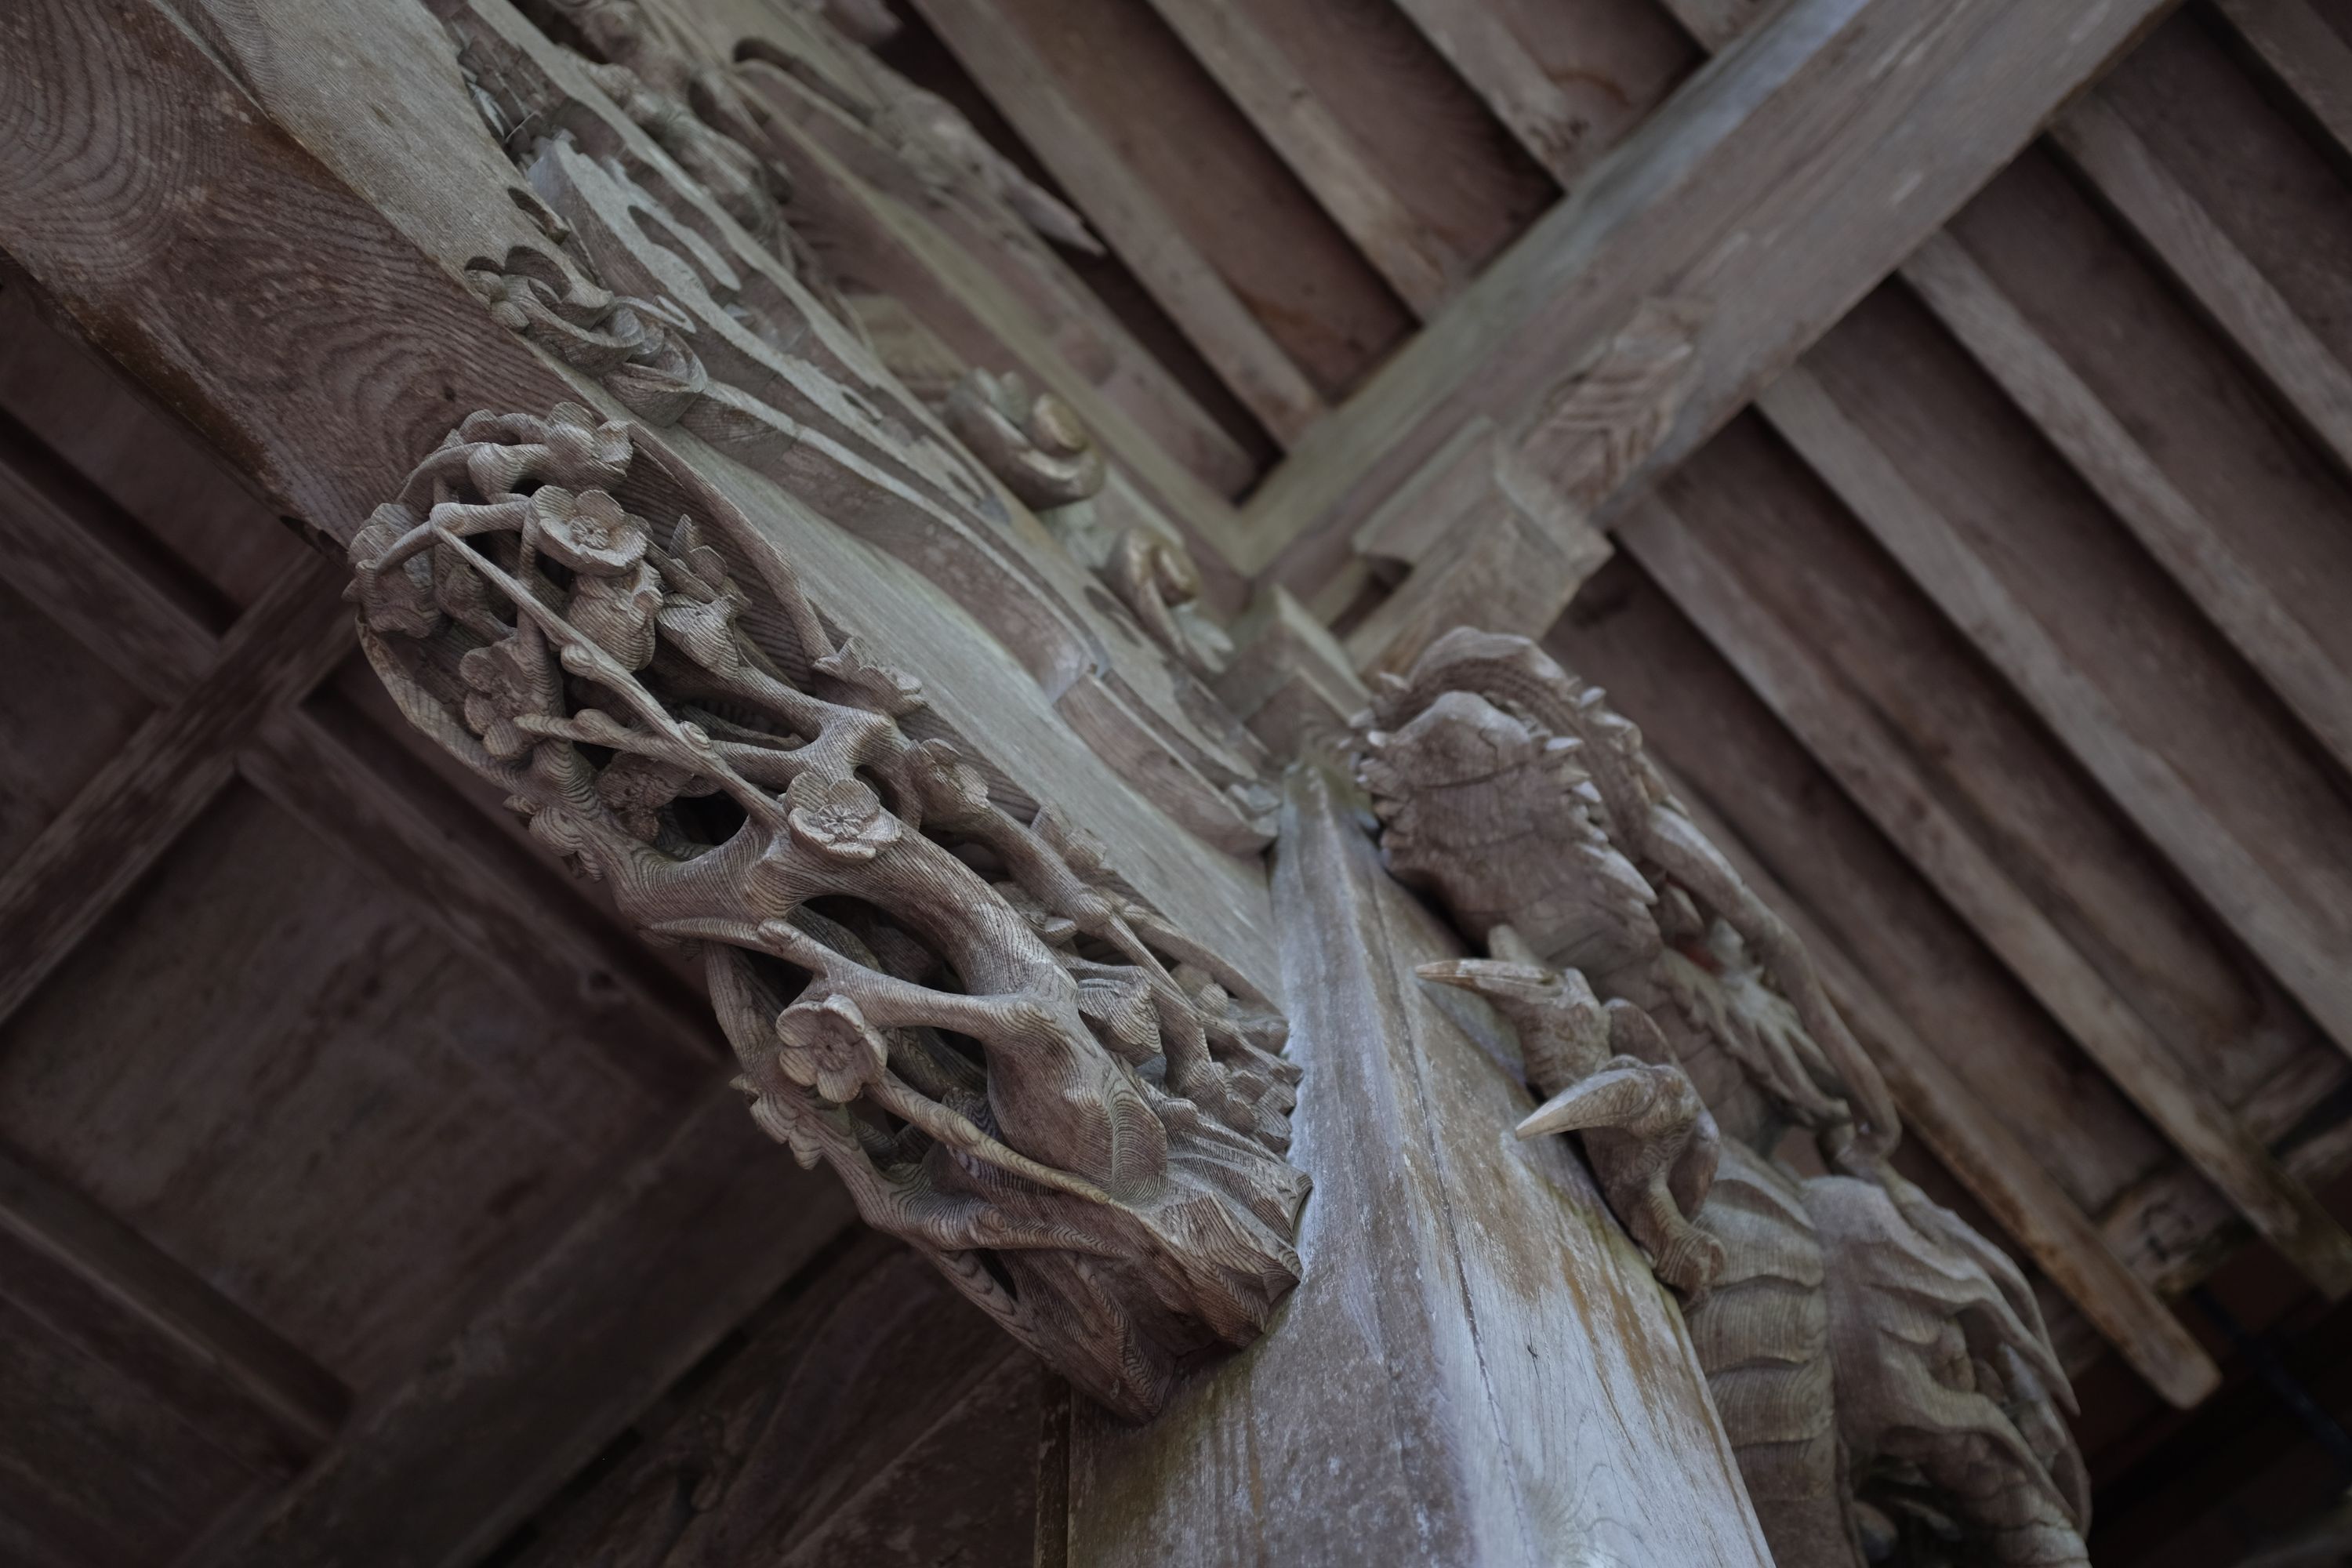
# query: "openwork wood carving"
[[1014, 1064], [1883, 1371]]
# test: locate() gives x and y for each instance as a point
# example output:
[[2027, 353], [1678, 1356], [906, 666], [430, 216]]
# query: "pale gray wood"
[[1478, 1367]]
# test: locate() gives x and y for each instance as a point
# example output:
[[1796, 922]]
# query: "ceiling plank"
[[2227, 286], [1875, 771], [135, 806], [1777, 187], [2306, 56], [571, 1350], [100, 1283], [435, 848], [989, 45], [2299, 921], [1418, 263], [2198, 552], [1968, 1137]]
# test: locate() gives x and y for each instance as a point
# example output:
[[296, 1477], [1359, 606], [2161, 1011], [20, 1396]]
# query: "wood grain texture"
[[2306, 56], [1570, 83], [1165, 257], [2202, 555], [1498, 1386], [2313, 380], [572, 1347], [2079, 639], [870, 1415], [1784, 184], [134, 808], [2100, 1020]]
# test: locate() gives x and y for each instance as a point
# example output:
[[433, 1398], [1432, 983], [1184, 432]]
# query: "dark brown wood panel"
[[268, 1067], [62, 716], [1225, 189]]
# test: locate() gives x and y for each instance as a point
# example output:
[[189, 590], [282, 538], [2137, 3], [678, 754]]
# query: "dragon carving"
[[1012, 1061], [1882, 1370]]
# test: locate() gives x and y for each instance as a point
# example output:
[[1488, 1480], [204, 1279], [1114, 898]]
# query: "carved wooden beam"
[[1775, 188], [1878, 1364]]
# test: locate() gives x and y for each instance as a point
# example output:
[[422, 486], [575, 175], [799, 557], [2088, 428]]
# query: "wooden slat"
[[675, 1250], [1535, 109], [2299, 930], [1250, 65], [835, 1401], [179, 757], [1170, 266], [1876, 772], [1717, 23], [100, 1284], [429, 844], [2228, 287], [2306, 56], [1777, 188], [2198, 552], [1989, 1159]]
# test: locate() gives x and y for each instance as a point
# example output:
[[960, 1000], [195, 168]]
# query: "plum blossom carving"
[[1007, 1056]]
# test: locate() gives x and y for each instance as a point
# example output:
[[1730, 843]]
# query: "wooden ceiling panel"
[[215, 531], [94, 1472], [266, 1064], [2125, 669], [62, 716]]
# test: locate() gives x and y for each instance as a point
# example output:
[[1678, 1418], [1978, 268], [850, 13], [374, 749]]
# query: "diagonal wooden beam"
[[2315, 385], [100, 1284], [1873, 769], [2301, 922], [1776, 188], [2306, 56], [166, 775], [1537, 111], [1998, 1170], [2196, 549], [1175, 273], [1418, 263], [485, 893]]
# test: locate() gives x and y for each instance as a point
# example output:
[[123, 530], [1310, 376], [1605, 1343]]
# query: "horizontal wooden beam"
[[1875, 769], [2314, 384], [990, 45], [2196, 549], [1989, 1159], [1776, 188]]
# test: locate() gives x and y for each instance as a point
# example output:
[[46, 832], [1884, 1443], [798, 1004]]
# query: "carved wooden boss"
[[636, 619]]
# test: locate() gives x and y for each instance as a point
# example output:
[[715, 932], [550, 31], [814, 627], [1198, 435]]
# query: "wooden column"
[[1478, 1367]]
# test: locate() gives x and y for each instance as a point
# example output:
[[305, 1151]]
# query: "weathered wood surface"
[[1786, 182], [565, 1353], [871, 1417], [1477, 1366]]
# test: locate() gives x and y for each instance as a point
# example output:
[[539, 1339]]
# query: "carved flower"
[[840, 817], [637, 787], [588, 531], [789, 1123], [878, 685], [583, 445], [617, 613], [828, 1046], [706, 631], [508, 681], [952, 789], [398, 598]]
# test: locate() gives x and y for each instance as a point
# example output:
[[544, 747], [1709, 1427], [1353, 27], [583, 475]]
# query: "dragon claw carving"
[[1881, 1369]]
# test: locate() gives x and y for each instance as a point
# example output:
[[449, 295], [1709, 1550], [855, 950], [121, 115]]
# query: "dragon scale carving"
[[1882, 1370], [1014, 1064]]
